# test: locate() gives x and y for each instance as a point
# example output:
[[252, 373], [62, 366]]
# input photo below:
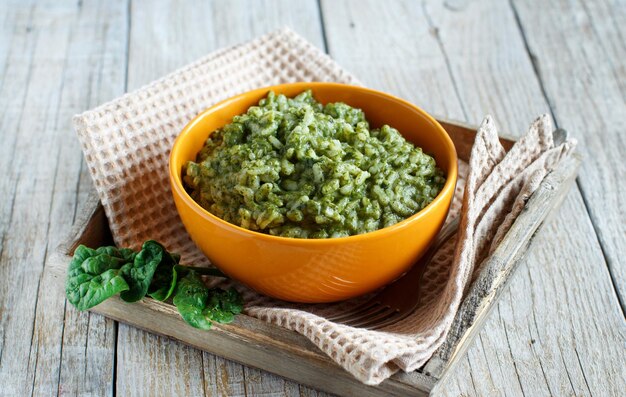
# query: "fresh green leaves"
[[140, 271], [230, 300], [96, 275], [200, 306], [222, 306], [165, 278], [190, 300]]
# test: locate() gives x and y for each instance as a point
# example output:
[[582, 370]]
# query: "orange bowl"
[[317, 270]]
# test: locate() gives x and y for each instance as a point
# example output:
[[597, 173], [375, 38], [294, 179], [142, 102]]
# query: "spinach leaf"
[[190, 300], [94, 276], [126, 254], [199, 306], [165, 277], [167, 273], [223, 305], [138, 273]]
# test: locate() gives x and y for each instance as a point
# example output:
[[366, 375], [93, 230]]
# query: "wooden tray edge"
[[248, 341], [303, 362], [499, 267]]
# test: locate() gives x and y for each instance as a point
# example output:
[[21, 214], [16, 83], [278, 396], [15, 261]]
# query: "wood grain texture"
[[52, 69], [247, 340], [558, 330], [494, 274], [392, 48], [95, 74], [487, 70], [582, 74], [165, 35], [531, 330]]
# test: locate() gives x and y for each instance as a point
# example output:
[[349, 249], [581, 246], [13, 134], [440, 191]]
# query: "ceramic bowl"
[[317, 270]]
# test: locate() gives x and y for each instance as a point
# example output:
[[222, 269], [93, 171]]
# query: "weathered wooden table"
[[558, 330]]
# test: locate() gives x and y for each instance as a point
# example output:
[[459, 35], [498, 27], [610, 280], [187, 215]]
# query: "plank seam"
[[29, 74], [244, 380], [583, 372], [435, 32], [536, 69], [532, 348], [482, 347], [13, 151], [508, 342], [323, 26], [602, 46], [116, 324], [86, 345], [128, 30], [203, 373], [569, 377], [114, 369], [471, 374], [32, 337], [534, 62], [80, 172], [608, 262], [532, 299], [61, 348], [45, 254], [76, 205]]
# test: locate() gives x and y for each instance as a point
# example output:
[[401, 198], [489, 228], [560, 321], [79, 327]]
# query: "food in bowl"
[[324, 269], [293, 167]]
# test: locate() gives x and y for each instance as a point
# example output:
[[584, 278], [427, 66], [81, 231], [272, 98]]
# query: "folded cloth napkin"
[[126, 144]]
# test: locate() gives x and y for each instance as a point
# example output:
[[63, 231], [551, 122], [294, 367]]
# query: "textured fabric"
[[126, 144]]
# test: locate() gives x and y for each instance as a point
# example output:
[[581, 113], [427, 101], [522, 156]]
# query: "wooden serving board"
[[286, 353]]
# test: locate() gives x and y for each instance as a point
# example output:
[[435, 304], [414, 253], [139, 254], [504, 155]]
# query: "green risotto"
[[293, 167]]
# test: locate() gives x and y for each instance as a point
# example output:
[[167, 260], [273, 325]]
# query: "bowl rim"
[[177, 186]]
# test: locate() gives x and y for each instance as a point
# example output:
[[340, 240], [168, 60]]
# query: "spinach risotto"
[[293, 167]]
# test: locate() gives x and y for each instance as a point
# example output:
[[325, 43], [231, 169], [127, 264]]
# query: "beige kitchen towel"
[[126, 144]]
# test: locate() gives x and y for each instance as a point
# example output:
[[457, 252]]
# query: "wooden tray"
[[286, 353]]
